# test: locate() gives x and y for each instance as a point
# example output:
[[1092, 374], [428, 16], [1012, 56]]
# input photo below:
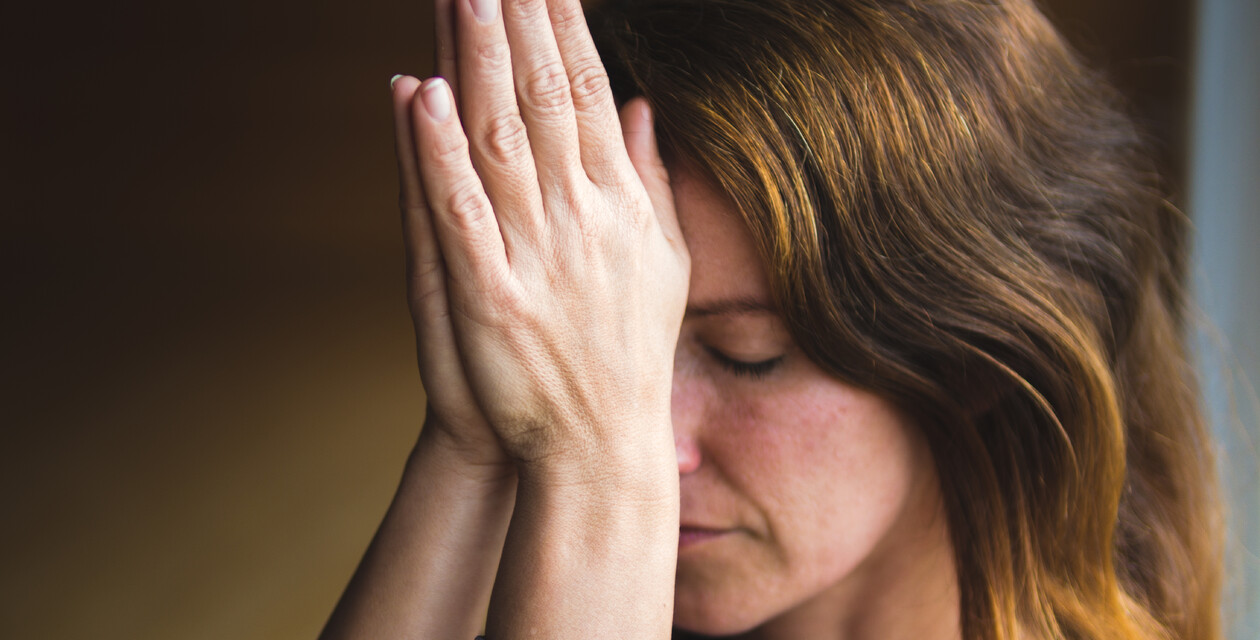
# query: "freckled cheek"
[[783, 442], [818, 455]]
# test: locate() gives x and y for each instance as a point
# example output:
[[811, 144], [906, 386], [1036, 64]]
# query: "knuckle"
[[508, 299], [503, 137], [421, 295], [492, 55], [603, 169], [426, 274], [567, 17], [547, 88], [500, 302], [449, 150], [468, 205], [522, 9], [590, 84]]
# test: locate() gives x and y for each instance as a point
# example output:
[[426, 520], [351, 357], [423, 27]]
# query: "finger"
[[640, 143], [444, 42], [543, 93], [426, 280], [599, 133], [437, 355], [500, 146], [410, 196], [463, 220]]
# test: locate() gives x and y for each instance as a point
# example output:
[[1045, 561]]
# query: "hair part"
[[955, 213]]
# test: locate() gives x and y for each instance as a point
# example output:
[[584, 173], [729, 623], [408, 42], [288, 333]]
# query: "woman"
[[897, 283]]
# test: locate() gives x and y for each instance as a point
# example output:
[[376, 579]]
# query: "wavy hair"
[[955, 213]]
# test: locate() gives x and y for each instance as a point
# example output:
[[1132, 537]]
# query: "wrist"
[[473, 463], [642, 470]]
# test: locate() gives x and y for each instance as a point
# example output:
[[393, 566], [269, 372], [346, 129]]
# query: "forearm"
[[591, 555], [429, 571]]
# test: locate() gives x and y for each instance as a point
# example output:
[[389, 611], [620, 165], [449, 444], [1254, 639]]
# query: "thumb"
[[640, 137]]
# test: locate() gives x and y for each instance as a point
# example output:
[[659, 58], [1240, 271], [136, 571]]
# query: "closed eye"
[[744, 368]]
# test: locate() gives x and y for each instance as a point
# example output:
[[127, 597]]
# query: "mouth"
[[689, 536]]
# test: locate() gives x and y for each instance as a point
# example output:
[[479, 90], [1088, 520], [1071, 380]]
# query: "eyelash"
[[754, 370]]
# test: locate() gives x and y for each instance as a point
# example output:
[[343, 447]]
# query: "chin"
[[711, 629], [703, 614]]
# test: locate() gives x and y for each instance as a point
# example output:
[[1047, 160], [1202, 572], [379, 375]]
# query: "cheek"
[[827, 466]]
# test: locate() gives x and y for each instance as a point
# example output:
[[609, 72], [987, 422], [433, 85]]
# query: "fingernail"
[[645, 114], [394, 80], [437, 99], [484, 9]]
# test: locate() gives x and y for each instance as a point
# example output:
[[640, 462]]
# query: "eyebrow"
[[733, 306]]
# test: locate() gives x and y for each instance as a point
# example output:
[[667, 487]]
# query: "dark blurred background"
[[209, 384]]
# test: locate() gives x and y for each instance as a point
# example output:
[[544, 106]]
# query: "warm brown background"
[[208, 380]]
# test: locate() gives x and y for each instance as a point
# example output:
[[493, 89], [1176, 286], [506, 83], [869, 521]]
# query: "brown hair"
[[955, 213]]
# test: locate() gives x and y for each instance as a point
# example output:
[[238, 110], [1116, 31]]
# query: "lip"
[[690, 536]]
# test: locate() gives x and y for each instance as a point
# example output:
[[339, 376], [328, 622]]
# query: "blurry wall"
[[208, 382], [1225, 202]]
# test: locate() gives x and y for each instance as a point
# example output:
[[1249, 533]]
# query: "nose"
[[687, 413]]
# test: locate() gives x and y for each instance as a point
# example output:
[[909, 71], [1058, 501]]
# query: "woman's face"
[[805, 501]]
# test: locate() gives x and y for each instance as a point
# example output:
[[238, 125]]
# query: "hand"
[[564, 268], [452, 416]]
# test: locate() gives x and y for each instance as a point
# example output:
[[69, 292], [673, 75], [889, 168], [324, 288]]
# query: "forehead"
[[724, 260]]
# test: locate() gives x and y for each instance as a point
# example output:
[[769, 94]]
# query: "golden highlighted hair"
[[955, 213]]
